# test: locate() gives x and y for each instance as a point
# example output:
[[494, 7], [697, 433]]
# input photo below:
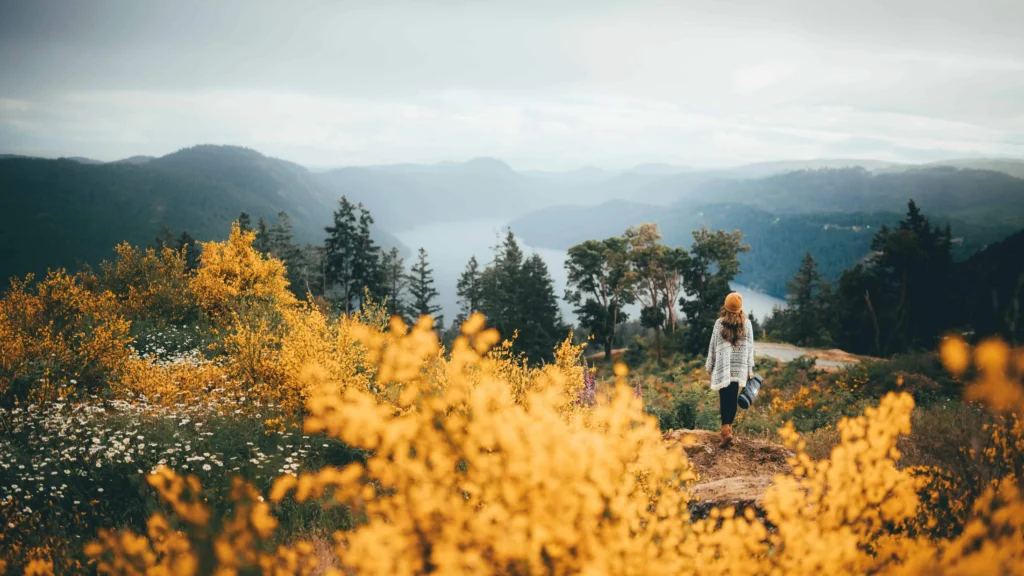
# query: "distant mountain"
[[402, 196], [662, 169], [67, 213], [980, 195], [82, 160], [581, 177], [1011, 166], [832, 213], [675, 187], [134, 160]]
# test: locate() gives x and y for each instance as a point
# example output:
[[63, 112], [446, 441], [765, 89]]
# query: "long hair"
[[734, 325]]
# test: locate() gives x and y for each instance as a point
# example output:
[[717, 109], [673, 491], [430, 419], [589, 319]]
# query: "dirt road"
[[823, 358]]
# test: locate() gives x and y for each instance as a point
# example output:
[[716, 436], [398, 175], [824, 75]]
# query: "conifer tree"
[[469, 290], [422, 292], [804, 291], [262, 242], [244, 222], [517, 296], [368, 260], [542, 327], [395, 283], [501, 288], [351, 256]]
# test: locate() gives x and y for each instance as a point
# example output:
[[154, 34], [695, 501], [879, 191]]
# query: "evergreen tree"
[[501, 288], [348, 251], [311, 270], [469, 289], [517, 295], [755, 324], [898, 290], [192, 250], [422, 291], [279, 244], [183, 242], [368, 260], [542, 327], [804, 291], [598, 286], [395, 283], [262, 242], [244, 222]]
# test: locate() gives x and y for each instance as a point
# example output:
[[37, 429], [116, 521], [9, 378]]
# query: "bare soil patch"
[[734, 476]]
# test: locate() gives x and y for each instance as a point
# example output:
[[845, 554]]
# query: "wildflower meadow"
[[163, 419]]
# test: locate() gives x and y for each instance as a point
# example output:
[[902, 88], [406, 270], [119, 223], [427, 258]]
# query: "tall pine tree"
[[517, 295], [262, 242], [469, 290], [542, 327], [395, 283], [803, 296], [422, 292], [352, 263]]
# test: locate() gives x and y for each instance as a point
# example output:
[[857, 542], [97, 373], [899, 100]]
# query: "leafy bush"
[[465, 461]]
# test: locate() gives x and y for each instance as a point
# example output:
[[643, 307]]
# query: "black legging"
[[727, 397]]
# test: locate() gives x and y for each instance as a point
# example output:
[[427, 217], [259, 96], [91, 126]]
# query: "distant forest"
[[862, 268]]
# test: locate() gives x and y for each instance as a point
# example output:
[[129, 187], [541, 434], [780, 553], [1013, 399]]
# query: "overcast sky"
[[611, 84]]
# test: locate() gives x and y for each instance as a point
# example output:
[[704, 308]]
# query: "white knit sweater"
[[727, 363]]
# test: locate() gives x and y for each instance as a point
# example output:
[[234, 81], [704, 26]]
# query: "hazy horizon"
[[615, 168], [542, 87]]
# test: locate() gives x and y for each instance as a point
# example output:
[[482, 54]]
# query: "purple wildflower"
[[589, 392]]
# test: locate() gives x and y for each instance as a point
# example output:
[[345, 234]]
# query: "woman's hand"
[[750, 375]]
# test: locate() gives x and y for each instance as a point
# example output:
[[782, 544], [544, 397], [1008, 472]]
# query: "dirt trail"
[[827, 359], [736, 476]]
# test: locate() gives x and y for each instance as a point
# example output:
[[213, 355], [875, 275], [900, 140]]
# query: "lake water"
[[450, 245]]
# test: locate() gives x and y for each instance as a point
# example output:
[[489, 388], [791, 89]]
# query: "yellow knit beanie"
[[734, 303]]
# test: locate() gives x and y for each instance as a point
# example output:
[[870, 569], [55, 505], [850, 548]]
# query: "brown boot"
[[726, 436]]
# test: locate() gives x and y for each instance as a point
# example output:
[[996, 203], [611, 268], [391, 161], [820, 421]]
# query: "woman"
[[730, 359]]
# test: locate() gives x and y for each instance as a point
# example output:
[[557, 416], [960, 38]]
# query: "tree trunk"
[[611, 338], [874, 321]]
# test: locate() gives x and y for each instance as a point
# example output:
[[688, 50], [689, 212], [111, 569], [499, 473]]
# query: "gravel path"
[[788, 353]]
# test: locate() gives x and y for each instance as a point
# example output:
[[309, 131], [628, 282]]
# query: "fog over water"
[[450, 245]]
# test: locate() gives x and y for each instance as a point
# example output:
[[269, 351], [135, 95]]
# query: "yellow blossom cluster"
[[463, 478], [478, 463], [59, 337], [151, 284]]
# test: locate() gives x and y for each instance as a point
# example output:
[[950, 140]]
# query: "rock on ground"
[[734, 476]]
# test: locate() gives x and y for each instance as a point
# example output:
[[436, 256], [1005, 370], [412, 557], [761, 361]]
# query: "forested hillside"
[[978, 195], [778, 241], [66, 213]]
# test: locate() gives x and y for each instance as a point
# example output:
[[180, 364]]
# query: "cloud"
[[540, 85]]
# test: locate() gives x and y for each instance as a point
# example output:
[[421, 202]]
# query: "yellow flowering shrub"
[[462, 478], [475, 461], [151, 284], [59, 338], [234, 278]]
